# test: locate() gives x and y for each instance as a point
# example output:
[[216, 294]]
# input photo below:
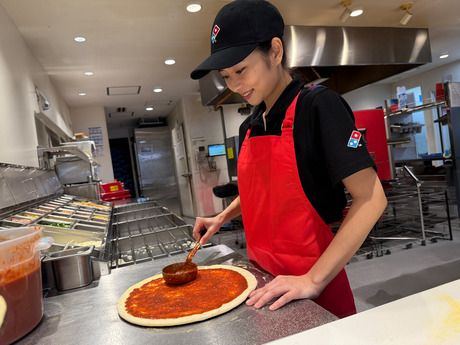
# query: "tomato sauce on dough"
[[211, 289]]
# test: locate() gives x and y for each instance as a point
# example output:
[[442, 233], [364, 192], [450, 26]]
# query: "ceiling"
[[128, 41]]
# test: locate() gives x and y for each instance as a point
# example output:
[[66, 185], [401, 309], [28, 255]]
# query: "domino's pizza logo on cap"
[[237, 30], [215, 32], [355, 137]]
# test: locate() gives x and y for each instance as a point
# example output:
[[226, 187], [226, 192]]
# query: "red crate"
[[114, 191]]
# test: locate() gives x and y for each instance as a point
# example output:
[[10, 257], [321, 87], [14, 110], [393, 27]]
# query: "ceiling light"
[[149, 108], [170, 61], [79, 39], [348, 11], [192, 8], [407, 13], [157, 90], [357, 11], [82, 94], [89, 73], [444, 56]]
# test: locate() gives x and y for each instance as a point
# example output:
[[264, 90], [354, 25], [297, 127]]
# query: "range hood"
[[342, 58]]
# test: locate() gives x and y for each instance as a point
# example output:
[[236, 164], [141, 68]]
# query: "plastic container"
[[20, 280], [114, 191]]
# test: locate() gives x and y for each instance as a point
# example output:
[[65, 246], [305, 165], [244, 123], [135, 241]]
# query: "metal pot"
[[72, 268]]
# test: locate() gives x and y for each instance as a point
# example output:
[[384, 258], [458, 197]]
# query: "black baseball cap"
[[237, 30]]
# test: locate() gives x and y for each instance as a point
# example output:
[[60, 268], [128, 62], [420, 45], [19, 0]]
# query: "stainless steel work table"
[[89, 315]]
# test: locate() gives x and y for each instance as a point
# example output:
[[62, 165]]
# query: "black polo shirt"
[[322, 128]]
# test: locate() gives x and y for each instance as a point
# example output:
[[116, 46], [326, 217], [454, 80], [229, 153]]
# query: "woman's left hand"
[[288, 287]]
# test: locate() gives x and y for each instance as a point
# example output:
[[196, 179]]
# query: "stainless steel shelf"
[[407, 111], [399, 142]]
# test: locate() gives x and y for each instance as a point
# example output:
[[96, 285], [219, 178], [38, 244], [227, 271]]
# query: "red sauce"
[[211, 289], [21, 287]]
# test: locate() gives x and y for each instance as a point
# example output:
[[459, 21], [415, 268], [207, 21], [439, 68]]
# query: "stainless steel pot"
[[72, 268]]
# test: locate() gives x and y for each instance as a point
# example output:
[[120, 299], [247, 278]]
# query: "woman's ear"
[[277, 51]]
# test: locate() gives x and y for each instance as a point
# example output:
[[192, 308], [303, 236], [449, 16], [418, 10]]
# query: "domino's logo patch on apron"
[[355, 137]]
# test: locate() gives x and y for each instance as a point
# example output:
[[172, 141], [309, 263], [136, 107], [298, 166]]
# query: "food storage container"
[[71, 267], [20, 280], [56, 223]]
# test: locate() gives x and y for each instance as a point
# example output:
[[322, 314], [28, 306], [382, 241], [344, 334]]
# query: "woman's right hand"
[[212, 225]]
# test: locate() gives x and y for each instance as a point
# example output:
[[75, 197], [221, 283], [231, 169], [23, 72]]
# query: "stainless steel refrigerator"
[[154, 157]]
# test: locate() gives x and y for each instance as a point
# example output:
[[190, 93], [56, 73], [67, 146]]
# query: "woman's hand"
[[288, 287], [212, 225]]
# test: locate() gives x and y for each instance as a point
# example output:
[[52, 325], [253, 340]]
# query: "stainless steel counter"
[[89, 316]]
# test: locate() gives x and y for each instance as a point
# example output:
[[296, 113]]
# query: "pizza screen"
[[157, 300]]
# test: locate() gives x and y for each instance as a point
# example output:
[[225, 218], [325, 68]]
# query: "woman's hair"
[[264, 48]]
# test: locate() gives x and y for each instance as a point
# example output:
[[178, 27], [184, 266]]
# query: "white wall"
[[86, 117], [203, 126], [233, 119], [122, 132], [372, 96], [428, 80], [368, 97], [20, 73]]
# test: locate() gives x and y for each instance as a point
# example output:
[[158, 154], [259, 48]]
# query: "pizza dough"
[[174, 321], [2, 310]]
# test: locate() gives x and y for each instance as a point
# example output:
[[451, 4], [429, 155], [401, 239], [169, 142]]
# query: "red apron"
[[285, 235]]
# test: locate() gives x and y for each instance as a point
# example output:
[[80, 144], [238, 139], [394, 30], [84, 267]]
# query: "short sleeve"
[[334, 125]]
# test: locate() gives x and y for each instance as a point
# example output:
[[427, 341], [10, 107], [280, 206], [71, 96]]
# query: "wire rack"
[[134, 206], [140, 214], [142, 234], [415, 214]]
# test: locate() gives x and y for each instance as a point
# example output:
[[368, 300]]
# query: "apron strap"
[[288, 121]]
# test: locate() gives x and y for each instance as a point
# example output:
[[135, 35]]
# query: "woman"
[[299, 149]]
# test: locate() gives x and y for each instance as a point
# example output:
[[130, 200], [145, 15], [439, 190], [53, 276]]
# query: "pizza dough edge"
[[250, 279], [3, 309]]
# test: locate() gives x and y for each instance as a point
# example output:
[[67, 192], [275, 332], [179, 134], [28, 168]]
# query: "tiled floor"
[[406, 271]]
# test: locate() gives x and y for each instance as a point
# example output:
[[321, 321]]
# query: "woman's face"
[[254, 78]]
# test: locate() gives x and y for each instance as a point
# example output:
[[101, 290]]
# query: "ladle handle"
[[193, 252], [196, 247]]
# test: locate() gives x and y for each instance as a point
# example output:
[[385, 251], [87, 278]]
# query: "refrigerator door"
[[155, 163]]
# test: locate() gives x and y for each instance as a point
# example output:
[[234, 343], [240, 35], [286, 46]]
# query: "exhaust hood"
[[342, 58]]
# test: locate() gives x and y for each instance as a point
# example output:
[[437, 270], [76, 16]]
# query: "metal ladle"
[[182, 272]]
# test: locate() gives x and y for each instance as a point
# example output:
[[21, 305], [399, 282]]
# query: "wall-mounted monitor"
[[216, 150]]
